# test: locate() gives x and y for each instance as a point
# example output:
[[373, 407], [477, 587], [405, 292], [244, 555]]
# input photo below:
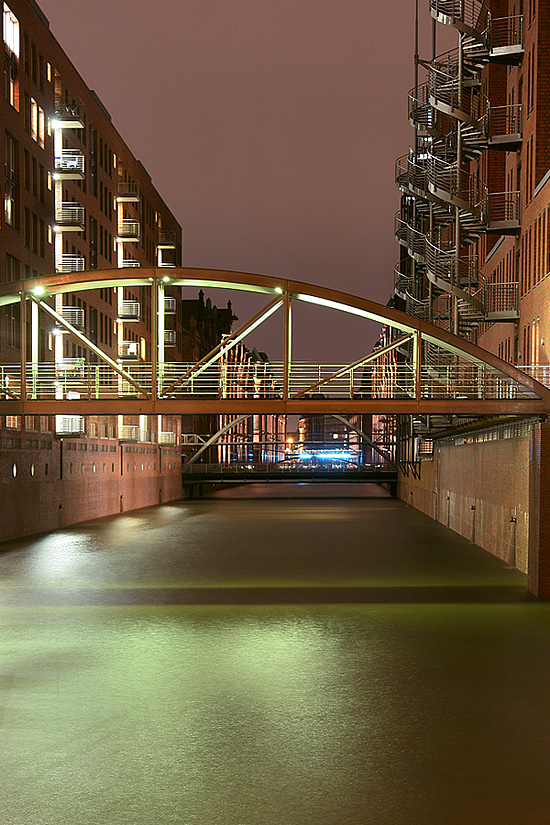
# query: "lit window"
[[41, 128], [49, 72], [34, 119], [11, 30]]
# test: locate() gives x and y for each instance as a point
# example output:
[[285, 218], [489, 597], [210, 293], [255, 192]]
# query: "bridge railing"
[[284, 469], [448, 377]]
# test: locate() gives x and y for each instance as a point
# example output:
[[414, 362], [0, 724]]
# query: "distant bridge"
[[442, 373], [240, 472]]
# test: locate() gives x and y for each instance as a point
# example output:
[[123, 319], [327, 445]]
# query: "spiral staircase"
[[445, 207]]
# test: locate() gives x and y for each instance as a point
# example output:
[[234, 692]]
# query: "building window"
[[11, 31], [12, 269]]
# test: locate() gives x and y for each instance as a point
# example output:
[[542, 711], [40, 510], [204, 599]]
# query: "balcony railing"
[[70, 263], [68, 115], [167, 239], [128, 192], [129, 350], [129, 310], [70, 217], [129, 263], [506, 37], [69, 425], [128, 432], [129, 230], [70, 368], [74, 316], [506, 125], [69, 165], [167, 438], [169, 306], [169, 337], [504, 211]]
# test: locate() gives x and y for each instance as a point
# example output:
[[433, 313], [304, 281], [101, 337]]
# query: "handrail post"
[[287, 345], [154, 339], [417, 359], [23, 343]]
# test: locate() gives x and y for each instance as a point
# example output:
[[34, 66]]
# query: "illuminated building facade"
[[75, 198]]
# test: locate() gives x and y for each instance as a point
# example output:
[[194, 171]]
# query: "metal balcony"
[[70, 263], [73, 316], [169, 306], [129, 230], [129, 263], [70, 368], [167, 438], [169, 337], [69, 165], [504, 212], [129, 311], [69, 425], [128, 432], [167, 239], [128, 192], [506, 41], [506, 127], [68, 116], [129, 350], [70, 217]]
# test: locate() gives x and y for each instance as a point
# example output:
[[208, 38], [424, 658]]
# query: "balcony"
[[128, 432], [73, 316], [167, 438], [69, 165], [504, 213], [70, 217], [70, 263], [128, 192], [507, 40], [129, 350], [70, 368], [68, 116], [506, 127], [169, 306], [129, 311], [69, 425], [129, 230], [129, 263], [169, 337], [167, 239]]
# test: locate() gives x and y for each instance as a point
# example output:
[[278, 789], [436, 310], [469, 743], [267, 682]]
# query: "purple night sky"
[[270, 127]]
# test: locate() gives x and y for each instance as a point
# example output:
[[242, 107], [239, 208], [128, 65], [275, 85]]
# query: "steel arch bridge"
[[423, 370]]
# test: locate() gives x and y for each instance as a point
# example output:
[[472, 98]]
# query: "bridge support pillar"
[[538, 572]]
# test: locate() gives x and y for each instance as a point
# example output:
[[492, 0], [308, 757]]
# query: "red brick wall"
[[42, 501], [478, 490]]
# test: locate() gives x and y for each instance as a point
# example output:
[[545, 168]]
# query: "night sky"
[[270, 127]]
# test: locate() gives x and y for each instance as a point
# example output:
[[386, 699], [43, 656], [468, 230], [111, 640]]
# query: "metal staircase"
[[446, 205]]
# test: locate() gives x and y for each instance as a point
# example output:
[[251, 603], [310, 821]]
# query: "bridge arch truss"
[[423, 370]]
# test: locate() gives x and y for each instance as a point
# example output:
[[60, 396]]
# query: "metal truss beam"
[[88, 343]]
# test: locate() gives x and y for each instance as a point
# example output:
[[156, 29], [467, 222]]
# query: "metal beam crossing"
[[441, 373]]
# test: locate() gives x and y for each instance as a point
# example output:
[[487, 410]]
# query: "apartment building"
[[75, 198]]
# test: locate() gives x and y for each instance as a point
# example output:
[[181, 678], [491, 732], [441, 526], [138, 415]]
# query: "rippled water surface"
[[287, 657]]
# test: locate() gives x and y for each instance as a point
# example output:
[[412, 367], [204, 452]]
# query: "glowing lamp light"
[[55, 124], [278, 290], [166, 279], [39, 291], [56, 176]]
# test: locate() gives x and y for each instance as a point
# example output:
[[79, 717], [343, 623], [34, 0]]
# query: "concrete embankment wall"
[[479, 489]]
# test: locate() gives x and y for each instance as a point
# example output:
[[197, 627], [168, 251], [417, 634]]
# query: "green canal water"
[[291, 656]]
